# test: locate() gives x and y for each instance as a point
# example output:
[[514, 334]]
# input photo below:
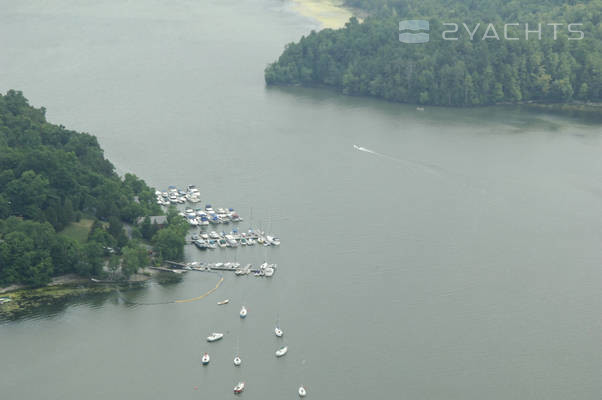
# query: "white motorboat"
[[221, 303], [215, 336], [268, 272], [243, 312], [278, 331], [237, 361], [302, 392], [281, 351], [205, 359], [239, 387]]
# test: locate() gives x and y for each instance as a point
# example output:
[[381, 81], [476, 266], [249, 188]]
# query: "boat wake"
[[431, 169]]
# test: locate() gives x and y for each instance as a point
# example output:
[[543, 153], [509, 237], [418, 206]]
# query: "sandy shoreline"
[[329, 13]]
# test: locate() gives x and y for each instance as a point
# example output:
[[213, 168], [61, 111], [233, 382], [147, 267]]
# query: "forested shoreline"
[[368, 59], [51, 179]]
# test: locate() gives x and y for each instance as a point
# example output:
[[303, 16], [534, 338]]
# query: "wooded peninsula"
[[64, 209], [480, 67]]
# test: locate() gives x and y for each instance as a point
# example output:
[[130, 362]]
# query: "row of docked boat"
[[209, 216], [213, 240], [177, 196], [267, 270], [280, 352]]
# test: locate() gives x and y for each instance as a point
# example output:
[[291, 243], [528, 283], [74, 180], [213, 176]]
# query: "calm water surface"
[[460, 260]]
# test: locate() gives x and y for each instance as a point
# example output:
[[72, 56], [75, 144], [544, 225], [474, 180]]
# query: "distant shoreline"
[[329, 13]]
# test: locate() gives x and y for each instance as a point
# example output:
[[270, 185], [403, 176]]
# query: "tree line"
[[368, 59], [51, 177]]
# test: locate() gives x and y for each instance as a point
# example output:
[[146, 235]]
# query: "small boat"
[[269, 272], [239, 387], [205, 359], [278, 331], [302, 392], [281, 351], [237, 361], [221, 303], [215, 336], [243, 312]]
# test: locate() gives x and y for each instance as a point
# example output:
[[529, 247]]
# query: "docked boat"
[[239, 387], [243, 312], [221, 303], [278, 331], [201, 244], [215, 336], [281, 351], [205, 359], [237, 360], [302, 392], [268, 272]]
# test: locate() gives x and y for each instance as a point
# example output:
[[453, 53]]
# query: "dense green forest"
[[51, 178], [368, 59]]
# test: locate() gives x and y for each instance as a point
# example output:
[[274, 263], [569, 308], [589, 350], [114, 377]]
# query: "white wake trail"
[[425, 167]]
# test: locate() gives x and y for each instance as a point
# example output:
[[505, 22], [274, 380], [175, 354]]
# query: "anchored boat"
[[221, 303], [205, 359], [243, 312], [281, 351], [239, 387], [237, 361], [278, 331], [215, 336], [302, 392]]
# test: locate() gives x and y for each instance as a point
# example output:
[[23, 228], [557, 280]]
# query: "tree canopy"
[[50, 177]]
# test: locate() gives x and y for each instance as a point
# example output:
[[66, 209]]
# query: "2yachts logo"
[[510, 31], [414, 25]]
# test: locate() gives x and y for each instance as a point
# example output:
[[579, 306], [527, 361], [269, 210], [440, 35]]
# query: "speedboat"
[[221, 303], [215, 336], [243, 312], [278, 331], [237, 360], [281, 351], [239, 387], [268, 272], [205, 359], [302, 392], [213, 235], [222, 243]]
